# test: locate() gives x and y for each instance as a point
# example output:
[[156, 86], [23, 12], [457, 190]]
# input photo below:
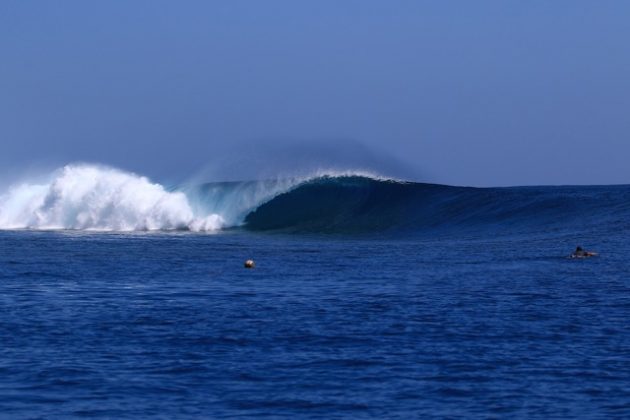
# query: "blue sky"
[[458, 92]]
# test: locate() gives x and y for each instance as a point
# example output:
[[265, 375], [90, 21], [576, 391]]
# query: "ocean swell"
[[356, 204]]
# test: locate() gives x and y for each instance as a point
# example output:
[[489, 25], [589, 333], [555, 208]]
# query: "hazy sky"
[[459, 92]]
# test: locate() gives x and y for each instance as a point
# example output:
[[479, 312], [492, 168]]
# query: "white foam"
[[101, 198], [91, 197]]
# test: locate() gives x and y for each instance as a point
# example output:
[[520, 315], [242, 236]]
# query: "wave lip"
[[91, 197], [234, 201]]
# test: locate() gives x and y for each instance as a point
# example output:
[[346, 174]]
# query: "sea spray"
[[92, 197], [101, 198]]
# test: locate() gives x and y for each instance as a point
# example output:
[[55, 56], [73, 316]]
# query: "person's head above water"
[[579, 249]]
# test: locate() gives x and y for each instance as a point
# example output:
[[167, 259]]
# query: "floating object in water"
[[249, 264], [580, 253]]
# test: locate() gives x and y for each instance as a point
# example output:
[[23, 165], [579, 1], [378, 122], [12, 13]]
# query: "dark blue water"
[[479, 314]]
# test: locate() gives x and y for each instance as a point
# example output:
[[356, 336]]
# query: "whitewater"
[[92, 197], [100, 198]]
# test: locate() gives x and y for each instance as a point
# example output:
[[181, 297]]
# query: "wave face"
[[361, 204], [91, 197]]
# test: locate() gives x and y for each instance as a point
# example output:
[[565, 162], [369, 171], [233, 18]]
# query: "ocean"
[[370, 298]]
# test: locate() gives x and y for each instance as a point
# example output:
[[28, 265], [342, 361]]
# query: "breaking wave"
[[89, 197], [92, 197], [101, 198]]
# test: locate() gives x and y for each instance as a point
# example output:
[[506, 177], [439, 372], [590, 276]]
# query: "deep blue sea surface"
[[407, 305]]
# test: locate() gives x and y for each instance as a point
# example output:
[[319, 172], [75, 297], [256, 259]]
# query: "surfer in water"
[[580, 253]]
